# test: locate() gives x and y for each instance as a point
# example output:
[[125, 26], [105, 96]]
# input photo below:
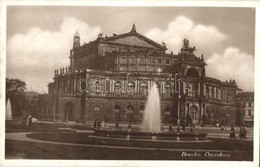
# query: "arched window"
[[228, 96], [141, 108], [69, 111], [118, 87], [144, 88], [213, 92], [167, 89], [131, 86], [117, 107], [192, 73], [193, 111], [117, 115]]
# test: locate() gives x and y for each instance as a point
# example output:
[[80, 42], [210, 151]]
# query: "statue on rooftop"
[[164, 44], [192, 49], [186, 47], [100, 35], [202, 57], [133, 28]]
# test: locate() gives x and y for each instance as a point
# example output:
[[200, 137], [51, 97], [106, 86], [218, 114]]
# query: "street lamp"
[[179, 98]]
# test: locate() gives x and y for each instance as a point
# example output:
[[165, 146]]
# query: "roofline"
[[134, 33]]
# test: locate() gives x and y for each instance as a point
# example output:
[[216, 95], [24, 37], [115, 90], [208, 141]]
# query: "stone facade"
[[109, 79], [245, 108]]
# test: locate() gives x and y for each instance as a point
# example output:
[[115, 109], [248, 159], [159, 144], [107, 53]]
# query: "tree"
[[14, 86], [15, 89], [31, 106]]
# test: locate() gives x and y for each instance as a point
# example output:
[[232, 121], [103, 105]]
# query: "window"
[[159, 61], [107, 86], [149, 68], [132, 67], [123, 60], [132, 60], [249, 104], [167, 61], [249, 112], [213, 92], [141, 60], [150, 60]]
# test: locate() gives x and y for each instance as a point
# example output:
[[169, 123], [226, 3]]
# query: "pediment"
[[134, 39]]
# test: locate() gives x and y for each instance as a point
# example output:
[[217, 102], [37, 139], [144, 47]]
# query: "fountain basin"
[[153, 136]]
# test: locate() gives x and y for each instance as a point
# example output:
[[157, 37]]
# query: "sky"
[[39, 38]]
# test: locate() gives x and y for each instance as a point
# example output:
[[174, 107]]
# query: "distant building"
[[30, 94], [245, 108], [109, 79]]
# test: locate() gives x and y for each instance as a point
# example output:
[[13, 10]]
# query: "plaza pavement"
[[21, 137], [212, 131]]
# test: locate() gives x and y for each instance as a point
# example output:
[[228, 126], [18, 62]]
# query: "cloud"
[[32, 57], [224, 62], [207, 39], [233, 64]]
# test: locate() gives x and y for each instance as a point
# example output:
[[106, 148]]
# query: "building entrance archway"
[[194, 114], [69, 112], [129, 113], [117, 109]]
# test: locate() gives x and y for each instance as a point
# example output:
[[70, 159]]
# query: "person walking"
[[183, 128], [162, 128], [232, 133], [129, 126], [170, 128], [245, 132], [116, 126], [178, 129], [29, 120], [98, 124], [242, 132], [95, 124]]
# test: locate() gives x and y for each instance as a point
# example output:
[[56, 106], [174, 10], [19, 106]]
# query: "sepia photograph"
[[139, 83]]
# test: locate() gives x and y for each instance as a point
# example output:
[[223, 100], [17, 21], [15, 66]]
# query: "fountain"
[[151, 130], [152, 113], [8, 113]]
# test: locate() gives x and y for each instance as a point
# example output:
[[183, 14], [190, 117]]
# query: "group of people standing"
[[101, 124], [242, 132], [30, 120], [178, 129]]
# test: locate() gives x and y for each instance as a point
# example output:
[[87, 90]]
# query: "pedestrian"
[[29, 120], [178, 129], [183, 128], [232, 133], [98, 124], [95, 124], [245, 132], [192, 127], [107, 125], [170, 127], [162, 128], [221, 127], [102, 124], [34, 120], [116, 126], [129, 126], [242, 132]]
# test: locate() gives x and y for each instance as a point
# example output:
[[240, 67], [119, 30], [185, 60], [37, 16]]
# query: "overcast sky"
[[39, 38]]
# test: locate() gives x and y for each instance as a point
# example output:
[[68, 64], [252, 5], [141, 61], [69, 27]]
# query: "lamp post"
[[127, 80], [227, 115], [179, 99]]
